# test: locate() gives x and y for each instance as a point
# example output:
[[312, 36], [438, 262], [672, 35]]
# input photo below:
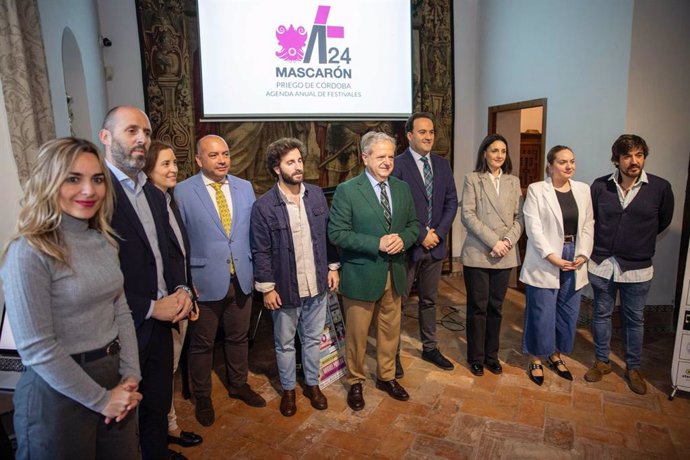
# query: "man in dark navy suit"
[[436, 202], [156, 294]]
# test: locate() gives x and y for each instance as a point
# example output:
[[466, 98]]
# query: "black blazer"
[[445, 200], [180, 264], [137, 262]]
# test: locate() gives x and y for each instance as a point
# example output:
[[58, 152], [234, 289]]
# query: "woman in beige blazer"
[[492, 215], [560, 225]]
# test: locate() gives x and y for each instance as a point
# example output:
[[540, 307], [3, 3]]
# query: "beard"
[[123, 159], [631, 172], [289, 179]]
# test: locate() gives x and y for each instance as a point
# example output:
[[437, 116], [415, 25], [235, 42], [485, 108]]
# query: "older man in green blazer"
[[373, 222]]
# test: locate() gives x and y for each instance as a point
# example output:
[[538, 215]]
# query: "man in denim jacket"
[[294, 267]]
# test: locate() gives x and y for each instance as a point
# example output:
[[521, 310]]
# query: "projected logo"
[[292, 41]]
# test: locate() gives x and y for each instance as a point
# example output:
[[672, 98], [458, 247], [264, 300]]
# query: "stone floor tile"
[[512, 430], [257, 449], [587, 399], [531, 412], [378, 424], [575, 415], [655, 440], [429, 447], [489, 447], [480, 407], [429, 392], [600, 435], [680, 406], [419, 425], [542, 394], [303, 439], [467, 429], [521, 450], [405, 407], [394, 446], [347, 442], [648, 401], [559, 433]]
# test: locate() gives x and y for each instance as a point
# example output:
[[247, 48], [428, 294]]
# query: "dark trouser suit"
[[486, 288], [235, 313], [427, 271]]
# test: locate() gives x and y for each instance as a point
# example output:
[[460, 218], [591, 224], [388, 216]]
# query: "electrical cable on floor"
[[451, 319]]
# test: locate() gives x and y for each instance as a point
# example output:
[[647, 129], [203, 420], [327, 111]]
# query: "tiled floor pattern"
[[454, 414]]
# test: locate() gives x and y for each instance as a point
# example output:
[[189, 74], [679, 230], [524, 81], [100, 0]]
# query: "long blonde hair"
[[41, 215]]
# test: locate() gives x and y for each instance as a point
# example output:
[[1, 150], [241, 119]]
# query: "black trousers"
[[234, 311], [486, 288], [156, 361], [427, 271]]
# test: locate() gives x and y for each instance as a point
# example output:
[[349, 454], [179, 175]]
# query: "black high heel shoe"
[[538, 379], [562, 374]]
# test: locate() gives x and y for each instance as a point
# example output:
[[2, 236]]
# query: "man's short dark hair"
[[409, 124], [625, 144], [109, 119], [278, 149]]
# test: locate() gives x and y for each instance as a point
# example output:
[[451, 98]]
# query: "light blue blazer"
[[211, 249]]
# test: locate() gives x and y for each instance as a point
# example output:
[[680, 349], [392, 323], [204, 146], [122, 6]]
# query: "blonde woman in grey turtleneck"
[[68, 313]]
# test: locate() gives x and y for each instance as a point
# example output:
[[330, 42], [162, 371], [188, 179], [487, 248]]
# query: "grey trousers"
[[427, 271], [51, 426]]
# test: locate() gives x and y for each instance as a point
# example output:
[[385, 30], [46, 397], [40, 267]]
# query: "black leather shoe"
[[399, 371], [494, 367], [186, 439], [435, 357], [204, 412], [477, 369], [173, 455], [538, 379], [288, 406], [394, 389], [247, 395], [318, 400], [562, 374], [355, 399]]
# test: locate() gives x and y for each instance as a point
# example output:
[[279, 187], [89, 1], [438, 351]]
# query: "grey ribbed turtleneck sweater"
[[55, 310]]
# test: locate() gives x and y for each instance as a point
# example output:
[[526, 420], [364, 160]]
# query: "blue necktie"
[[429, 185]]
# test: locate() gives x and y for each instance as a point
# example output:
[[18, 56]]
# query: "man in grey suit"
[[436, 202], [215, 208]]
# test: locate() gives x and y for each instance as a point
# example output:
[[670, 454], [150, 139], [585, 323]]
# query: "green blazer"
[[356, 227]]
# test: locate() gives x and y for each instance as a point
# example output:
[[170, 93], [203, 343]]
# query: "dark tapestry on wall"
[[168, 32]]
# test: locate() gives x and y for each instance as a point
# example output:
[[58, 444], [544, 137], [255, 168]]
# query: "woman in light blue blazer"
[[560, 225]]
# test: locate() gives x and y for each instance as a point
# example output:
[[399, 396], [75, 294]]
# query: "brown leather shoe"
[[598, 371], [355, 399], [635, 381], [318, 400], [247, 395], [393, 388], [288, 407]]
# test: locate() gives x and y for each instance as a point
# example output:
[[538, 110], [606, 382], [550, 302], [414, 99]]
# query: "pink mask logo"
[[292, 43], [292, 40]]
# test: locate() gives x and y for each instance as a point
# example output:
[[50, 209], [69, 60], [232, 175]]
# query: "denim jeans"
[[633, 299], [311, 316], [551, 314]]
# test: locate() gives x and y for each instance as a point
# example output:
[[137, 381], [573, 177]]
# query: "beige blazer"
[[489, 217], [544, 227]]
